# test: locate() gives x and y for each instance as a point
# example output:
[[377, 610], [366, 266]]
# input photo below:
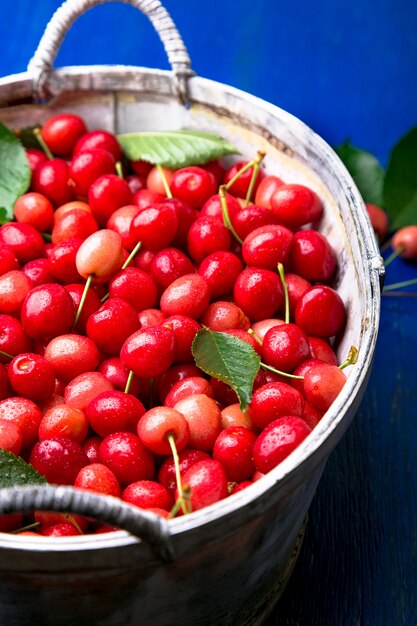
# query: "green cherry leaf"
[[14, 171], [14, 471], [229, 359], [365, 170], [174, 149], [400, 188]]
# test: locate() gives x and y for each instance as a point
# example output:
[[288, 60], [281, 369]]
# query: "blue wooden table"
[[348, 71]]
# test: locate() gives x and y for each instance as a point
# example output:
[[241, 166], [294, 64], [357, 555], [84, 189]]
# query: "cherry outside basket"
[[226, 564]]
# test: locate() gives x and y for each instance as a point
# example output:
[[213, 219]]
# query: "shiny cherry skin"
[[136, 287], [379, 220], [168, 265], [149, 351], [14, 287], [274, 400], [266, 188], [91, 304], [117, 374], [155, 226], [234, 448], [74, 223], [120, 221], [111, 325], [404, 242], [63, 420], [114, 411], [312, 257], [241, 185], [184, 329], [61, 133], [107, 194], [34, 209], [221, 269], [278, 440], [204, 419], [321, 312], [188, 295], [52, 179], [62, 260], [252, 217], [158, 424], [47, 311], [39, 272], [285, 346], [87, 166], [267, 246], [193, 185], [98, 478], [322, 385], [101, 139], [10, 437], [13, 338], [258, 292], [100, 255], [24, 240], [187, 458], [187, 387], [83, 388], [207, 235], [59, 459], [8, 260], [296, 205], [32, 376], [25, 414], [71, 355], [207, 481], [148, 494], [222, 315]]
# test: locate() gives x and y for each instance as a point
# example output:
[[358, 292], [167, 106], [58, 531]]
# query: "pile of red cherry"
[[105, 395]]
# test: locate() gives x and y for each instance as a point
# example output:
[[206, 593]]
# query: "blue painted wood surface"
[[347, 70]]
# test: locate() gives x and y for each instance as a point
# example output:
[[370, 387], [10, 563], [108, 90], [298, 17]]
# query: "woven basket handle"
[[142, 524], [41, 65]]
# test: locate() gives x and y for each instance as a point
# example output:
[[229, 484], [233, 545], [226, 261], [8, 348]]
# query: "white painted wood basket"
[[228, 563]]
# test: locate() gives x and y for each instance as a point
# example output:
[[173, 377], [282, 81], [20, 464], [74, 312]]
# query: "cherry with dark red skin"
[[311, 415], [35, 158], [74, 224], [25, 414], [158, 424], [62, 260], [61, 133], [8, 260], [296, 286], [151, 317], [204, 419], [188, 295], [143, 260], [222, 315], [87, 166], [142, 168], [120, 221], [321, 349], [63, 420], [71, 355], [32, 376], [207, 481], [266, 188], [111, 325], [174, 374], [83, 388], [149, 351], [193, 185], [320, 312], [233, 449], [301, 370], [296, 205], [24, 240], [274, 400], [241, 185], [136, 287], [45, 519], [91, 304], [65, 529], [34, 209], [207, 235], [285, 346], [101, 139], [98, 478], [113, 411], [267, 246], [216, 168], [276, 442], [107, 194], [187, 458], [258, 292], [117, 374], [186, 216], [13, 338], [312, 257], [52, 180], [213, 207], [47, 311], [168, 265], [58, 459], [155, 226], [145, 198], [187, 387], [10, 435], [184, 329], [91, 447], [148, 494], [220, 269], [39, 272], [14, 287], [252, 217], [127, 457], [322, 385]]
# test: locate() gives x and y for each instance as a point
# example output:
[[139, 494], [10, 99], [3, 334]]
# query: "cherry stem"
[[164, 181], [73, 522], [385, 245], [272, 369], [281, 273], [394, 255], [83, 297], [226, 217], [257, 164], [238, 174], [119, 169], [24, 528], [129, 381], [132, 255], [351, 359], [404, 283], [6, 354], [254, 335], [181, 500], [47, 237], [42, 143]]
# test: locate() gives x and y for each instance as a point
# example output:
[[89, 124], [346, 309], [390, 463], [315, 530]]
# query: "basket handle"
[[41, 64], [141, 523]]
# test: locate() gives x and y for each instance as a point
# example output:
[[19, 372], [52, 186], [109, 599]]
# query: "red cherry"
[[148, 494], [32, 376], [296, 205], [83, 388], [267, 246], [213, 207], [252, 217], [312, 257], [98, 478], [320, 349], [87, 166], [113, 411], [63, 420], [158, 424], [65, 529], [39, 272], [241, 185], [156, 177], [207, 481], [258, 292], [320, 312], [74, 223], [175, 374], [24, 240], [296, 286], [277, 441], [13, 339], [10, 437], [52, 180], [188, 295], [168, 265], [193, 185], [221, 316], [35, 158], [127, 457], [266, 189], [301, 370], [111, 325], [120, 221], [100, 255], [58, 459], [275, 400], [207, 235], [233, 448], [47, 311], [232, 415], [187, 458], [24, 414], [149, 351], [204, 419], [405, 242], [91, 304], [220, 269], [187, 387], [100, 139], [34, 209], [8, 260], [285, 346], [107, 194], [61, 133], [14, 287], [145, 198], [155, 226], [117, 374], [322, 385], [71, 355], [379, 220], [62, 260], [134, 286], [184, 329]]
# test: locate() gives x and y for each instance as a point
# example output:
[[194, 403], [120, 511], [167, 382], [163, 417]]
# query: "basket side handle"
[[41, 64], [141, 523]]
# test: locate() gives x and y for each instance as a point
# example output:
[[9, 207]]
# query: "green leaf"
[[365, 170], [14, 170], [229, 359], [15, 471], [400, 189], [174, 149]]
